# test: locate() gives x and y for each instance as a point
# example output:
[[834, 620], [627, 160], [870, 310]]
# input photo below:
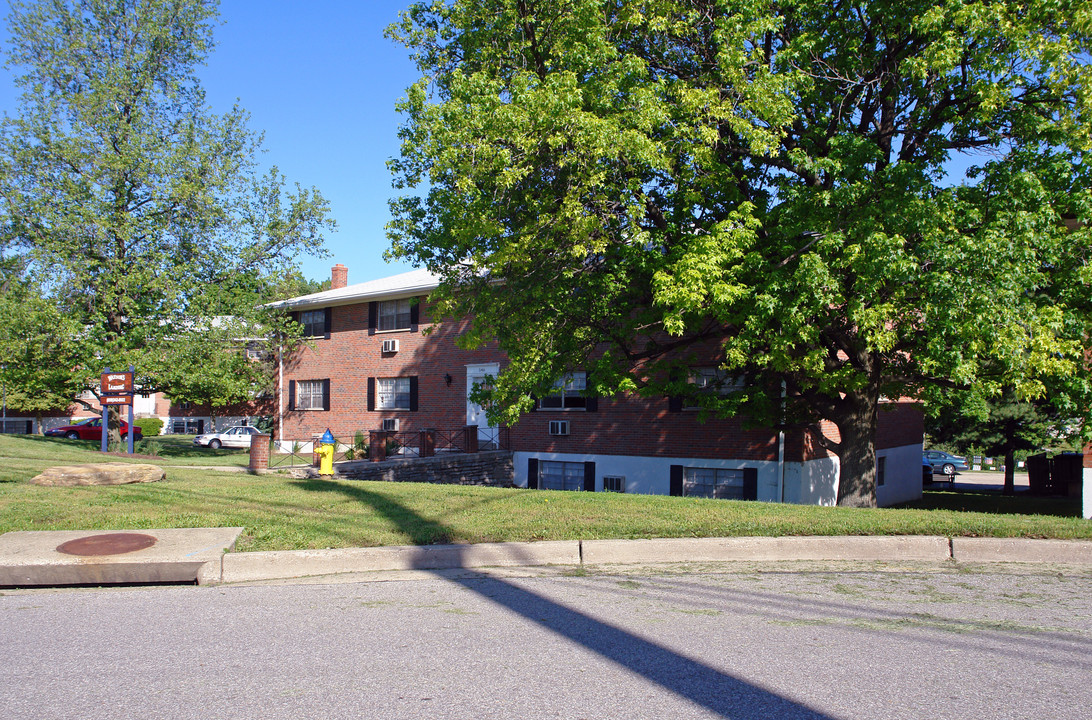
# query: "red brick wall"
[[621, 426], [350, 356], [900, 423], [643, 426]]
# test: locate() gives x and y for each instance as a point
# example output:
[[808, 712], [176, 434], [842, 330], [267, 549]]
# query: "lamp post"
[[4, 386]]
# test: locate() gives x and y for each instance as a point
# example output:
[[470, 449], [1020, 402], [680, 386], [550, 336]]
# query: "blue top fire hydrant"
[[326, 453]]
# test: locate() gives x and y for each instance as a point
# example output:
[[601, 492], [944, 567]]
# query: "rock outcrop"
[[99, 474]]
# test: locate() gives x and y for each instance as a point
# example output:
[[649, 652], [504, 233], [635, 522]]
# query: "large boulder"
[[99, 474]]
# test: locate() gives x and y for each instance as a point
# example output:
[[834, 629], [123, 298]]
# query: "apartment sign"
[[116, 382], [117, 400]]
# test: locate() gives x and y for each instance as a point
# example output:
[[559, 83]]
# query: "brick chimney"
[[339, 276]]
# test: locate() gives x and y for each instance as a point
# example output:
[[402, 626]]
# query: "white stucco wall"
[[223, 422], [650, 475], [813, 482], [902, 475], [1087, 493]]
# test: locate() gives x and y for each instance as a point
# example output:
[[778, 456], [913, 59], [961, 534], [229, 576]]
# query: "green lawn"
[[279, 512]]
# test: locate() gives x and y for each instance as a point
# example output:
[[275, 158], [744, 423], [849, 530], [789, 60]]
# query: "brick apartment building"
[[372, 366]]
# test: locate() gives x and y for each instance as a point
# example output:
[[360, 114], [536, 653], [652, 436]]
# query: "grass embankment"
[[279, 512]]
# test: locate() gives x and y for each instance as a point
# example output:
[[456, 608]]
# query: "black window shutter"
[[326, 394], [373, 317], [674, 402], [750, 483], [534, 403], [413, 394], [30, 427], [589, 477], [291, 394], [591, 402], [532, 473], [371, 394], [328, 322], [676, 480], [414, 314]]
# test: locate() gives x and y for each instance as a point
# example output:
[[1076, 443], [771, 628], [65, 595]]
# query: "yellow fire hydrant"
[[326, 453]]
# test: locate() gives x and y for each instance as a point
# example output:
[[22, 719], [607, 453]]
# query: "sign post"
[[116, 388]]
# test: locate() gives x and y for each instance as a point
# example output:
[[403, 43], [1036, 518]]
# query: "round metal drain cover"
[[108, 544]]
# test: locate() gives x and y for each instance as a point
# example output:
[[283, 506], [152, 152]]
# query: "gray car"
[[944, 463]]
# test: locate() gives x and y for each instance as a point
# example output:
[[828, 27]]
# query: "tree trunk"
[[857, 452], [113, 434], [1010, 473]]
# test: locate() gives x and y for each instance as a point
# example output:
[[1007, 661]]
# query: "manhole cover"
[[108, 544]]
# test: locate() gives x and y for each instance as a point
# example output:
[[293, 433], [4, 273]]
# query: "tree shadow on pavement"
[[686, 677]]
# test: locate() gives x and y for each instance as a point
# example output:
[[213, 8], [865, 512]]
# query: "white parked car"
[[234, 437]]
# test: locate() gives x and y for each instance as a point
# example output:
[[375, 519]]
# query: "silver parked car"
[[234, 437]]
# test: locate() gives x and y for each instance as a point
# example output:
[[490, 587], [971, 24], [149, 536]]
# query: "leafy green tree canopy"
[[636, 187], [142, 214]]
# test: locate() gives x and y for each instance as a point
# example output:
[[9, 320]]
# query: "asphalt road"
[[798, 640]]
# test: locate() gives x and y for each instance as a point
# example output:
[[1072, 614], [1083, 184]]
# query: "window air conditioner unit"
[[390, 346], [559, 427], [390, 424]]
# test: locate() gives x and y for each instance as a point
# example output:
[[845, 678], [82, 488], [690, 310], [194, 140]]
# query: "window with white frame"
[[557, 475], [394, 314], [713, 483], [314, 323], [392, 393], [568, 393], [714, 380], [309, 394]]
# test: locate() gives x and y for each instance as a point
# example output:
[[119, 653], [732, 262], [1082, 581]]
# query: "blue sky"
[[321, 81]]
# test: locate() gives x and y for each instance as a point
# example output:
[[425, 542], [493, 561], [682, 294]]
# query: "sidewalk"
[[202, 555]]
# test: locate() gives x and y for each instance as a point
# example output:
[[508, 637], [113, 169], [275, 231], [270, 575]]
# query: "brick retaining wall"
[[484, 468]]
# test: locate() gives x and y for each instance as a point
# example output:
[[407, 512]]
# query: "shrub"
[[147, 447], [149, 427]]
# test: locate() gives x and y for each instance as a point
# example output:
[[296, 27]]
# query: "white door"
[[475, 414]]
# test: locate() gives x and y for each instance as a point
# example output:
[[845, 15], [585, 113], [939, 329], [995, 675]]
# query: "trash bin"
[[1067, 474], [1038, 473]]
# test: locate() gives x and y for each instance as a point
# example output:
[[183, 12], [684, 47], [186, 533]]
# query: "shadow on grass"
[[688, 678], [419, 530], [995, 503]]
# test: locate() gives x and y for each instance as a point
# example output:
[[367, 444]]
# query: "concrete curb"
[[904, 547], [284, 564], [1066, 552], [288, 564], [186, 555]]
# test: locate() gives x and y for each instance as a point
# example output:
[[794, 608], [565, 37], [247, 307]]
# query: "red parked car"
[[90, 429]]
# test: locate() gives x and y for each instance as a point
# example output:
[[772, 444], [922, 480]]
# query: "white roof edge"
[[407, 284]]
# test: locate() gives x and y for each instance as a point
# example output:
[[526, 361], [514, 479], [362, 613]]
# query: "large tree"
[[39, 346], [142, 213], [623, 185]]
